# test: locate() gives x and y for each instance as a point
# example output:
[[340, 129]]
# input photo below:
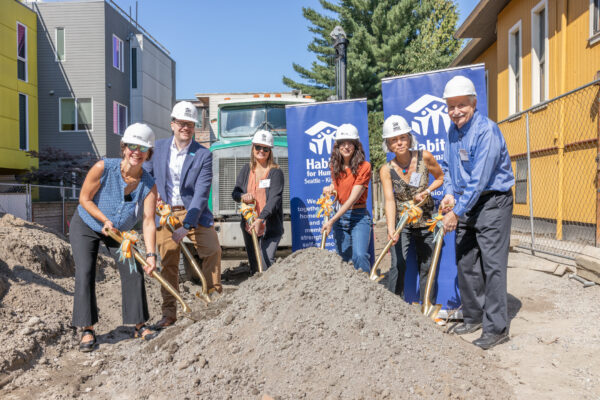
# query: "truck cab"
[[238, 120]]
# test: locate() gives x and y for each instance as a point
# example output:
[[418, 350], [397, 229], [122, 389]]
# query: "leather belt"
[[355, 206], [178, 208]]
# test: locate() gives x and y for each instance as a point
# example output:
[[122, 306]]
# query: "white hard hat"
[[346, 132], [140, 134], [185, 111], [459, 86], [395, 125], [263, 137]]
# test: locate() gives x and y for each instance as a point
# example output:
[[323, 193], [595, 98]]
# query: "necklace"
[[404, 167]]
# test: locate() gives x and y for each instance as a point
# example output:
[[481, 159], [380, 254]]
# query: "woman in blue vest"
[[115, 194]]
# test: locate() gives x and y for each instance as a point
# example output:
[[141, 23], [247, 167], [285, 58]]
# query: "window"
[[134, 68], [60, 44], [539, 52], [594, 21], [23, 122], [21, 51], [119, 118], [514, 60], [117, 53], [521, 182], [75, 115]]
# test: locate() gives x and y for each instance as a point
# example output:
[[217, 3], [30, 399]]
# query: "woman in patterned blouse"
[[405, 178]]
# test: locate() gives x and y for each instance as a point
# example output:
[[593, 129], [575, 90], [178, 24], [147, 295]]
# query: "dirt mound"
[[35, 247], [310, 327], [36, 289]]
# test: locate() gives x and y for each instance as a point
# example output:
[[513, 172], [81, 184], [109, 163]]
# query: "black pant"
[[423, 240], [85, 243], [268, 246], [482, 242]]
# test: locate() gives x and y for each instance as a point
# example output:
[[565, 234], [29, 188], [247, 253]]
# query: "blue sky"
[[234, 45]]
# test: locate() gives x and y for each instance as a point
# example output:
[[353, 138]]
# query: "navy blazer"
[[196, 178]]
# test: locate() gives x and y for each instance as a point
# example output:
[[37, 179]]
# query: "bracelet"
[[151, 255], [428, 191]]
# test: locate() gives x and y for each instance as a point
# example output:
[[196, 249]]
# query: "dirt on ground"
[[309, 327]]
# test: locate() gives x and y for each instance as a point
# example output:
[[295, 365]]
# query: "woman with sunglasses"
[[406, 178], [351, 175], [115, 194], [261, 182]]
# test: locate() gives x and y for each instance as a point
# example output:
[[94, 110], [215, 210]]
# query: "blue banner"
[[419, 99], [310, 134]]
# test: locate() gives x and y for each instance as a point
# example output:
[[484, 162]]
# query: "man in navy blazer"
[[182, 170]]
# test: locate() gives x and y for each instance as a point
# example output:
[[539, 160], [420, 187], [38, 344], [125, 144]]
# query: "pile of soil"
[[36, 288], [310, 327]]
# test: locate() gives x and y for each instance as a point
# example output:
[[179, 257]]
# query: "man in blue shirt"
[[478, 203]]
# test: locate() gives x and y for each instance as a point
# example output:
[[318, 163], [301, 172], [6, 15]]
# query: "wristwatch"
[[151, 255], [187, 226]]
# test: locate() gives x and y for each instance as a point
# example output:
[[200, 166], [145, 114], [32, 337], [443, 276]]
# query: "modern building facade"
[[18, 87], [99, 71]]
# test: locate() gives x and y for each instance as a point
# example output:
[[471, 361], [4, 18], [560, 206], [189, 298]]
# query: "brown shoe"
[[165, 322]]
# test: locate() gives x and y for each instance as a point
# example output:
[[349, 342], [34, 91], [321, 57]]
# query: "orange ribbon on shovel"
[[129, 239]]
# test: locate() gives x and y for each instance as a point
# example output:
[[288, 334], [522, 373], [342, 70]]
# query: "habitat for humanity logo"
[[429, 112], [322, 135]]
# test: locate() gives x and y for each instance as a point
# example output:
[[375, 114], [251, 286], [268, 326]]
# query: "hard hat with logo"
[[395, 125], [140, 134], [346, 132], [263, 137], [185, 111], [459, 86]]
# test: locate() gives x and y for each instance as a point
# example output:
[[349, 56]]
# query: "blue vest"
[[110, 198]]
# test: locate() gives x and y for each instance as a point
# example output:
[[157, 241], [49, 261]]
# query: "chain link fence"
[[554, 151], [51, 206]]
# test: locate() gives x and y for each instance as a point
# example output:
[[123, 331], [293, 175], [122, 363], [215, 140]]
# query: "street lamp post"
[[340, 45]]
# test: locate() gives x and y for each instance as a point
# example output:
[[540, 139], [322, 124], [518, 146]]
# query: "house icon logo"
[[322, 135], [430, 113]]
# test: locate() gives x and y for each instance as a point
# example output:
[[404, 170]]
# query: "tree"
[[387, 38], [56, 166]]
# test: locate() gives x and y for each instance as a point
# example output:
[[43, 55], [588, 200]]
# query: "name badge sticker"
[[464, 156], [265, 183], [415, 179]]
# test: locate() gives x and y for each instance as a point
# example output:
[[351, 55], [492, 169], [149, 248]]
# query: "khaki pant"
[[206, 242]]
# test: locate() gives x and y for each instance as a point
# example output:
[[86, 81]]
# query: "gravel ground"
[[310, 327]]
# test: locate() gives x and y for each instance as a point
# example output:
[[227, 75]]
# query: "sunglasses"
[[134, 147], [263, 148]]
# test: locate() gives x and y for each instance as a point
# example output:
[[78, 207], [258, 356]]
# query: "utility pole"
[[340, 45]]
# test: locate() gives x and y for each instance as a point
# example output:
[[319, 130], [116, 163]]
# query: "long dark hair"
[[336, 162]]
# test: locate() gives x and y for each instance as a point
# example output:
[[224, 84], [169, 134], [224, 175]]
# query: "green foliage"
[[375, 141], [387, 38]]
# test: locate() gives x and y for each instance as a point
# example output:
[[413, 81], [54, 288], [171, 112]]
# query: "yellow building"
[[538, 56], [18, 87]]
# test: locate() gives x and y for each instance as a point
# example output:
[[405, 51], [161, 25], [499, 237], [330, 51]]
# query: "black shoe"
[[465, 328], [489, 340], [87, 346]]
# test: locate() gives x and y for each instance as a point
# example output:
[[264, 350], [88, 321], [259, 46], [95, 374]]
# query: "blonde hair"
[[270, 161]]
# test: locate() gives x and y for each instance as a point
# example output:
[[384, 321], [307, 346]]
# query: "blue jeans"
[[352, 233]]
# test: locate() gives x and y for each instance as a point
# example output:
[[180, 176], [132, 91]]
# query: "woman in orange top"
[[261, 182], [350, 174]]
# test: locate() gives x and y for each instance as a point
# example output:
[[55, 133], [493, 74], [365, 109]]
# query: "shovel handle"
[[116, 235]]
